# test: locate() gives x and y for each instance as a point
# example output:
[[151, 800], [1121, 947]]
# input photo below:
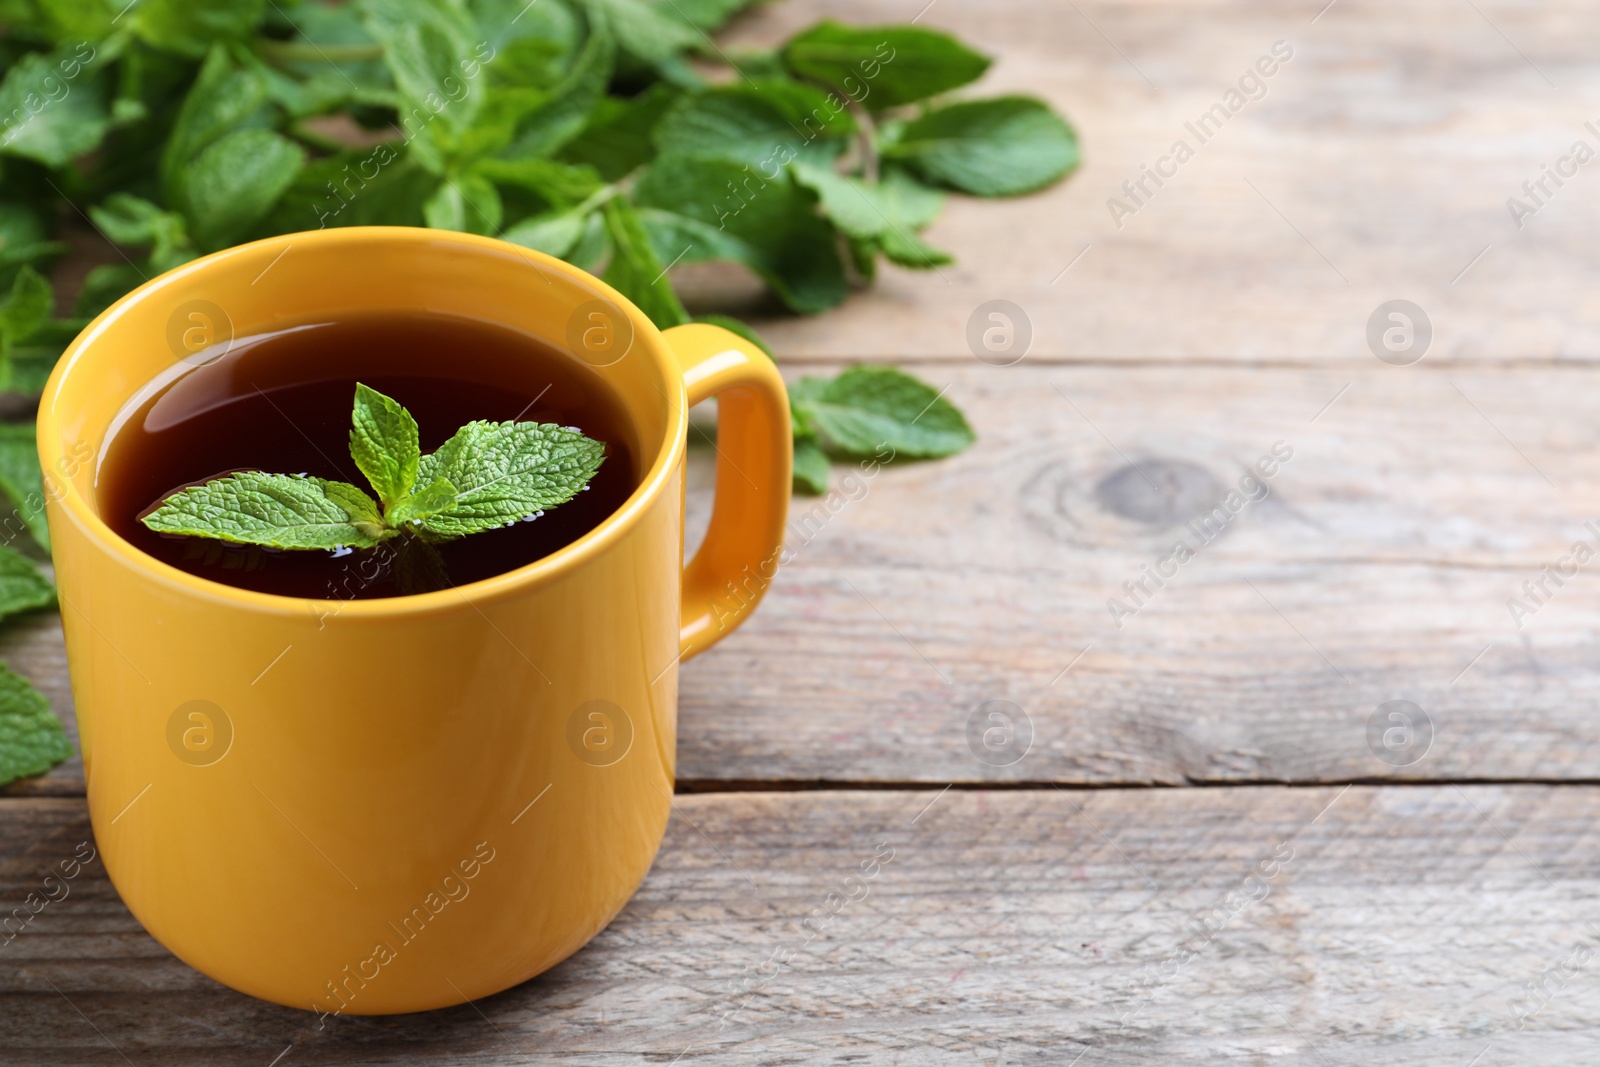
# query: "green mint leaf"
[[810, 468], [773, 222], [762, 124], [24, 313], [530, 69], [429, 46], [707, 15], [800, 390], [22, 483], [25, 230], [887, 214], [673, 236], [883, 66], [318, 94], [644, 30], [125, 111], [23, 587], [850, 202], [360, 187], [619, 135], [27, 306], [906, 249], [554, 234], [275, 510], [222, 99], [31, 737], [1001, 147], [383, 442], [424, 504], [331, 62], [73, 20], [559, 185], [906, 199], [506, 471], [868, 409], [484, 209], [635, 271], [132, 220], [466, 202], [679, 72], [864, 255], [493, 126], [30, 363], [446, 209], [592, 246], [567, 108], [189, 27], [331, 45], [105, 284], [809, 388], [235, 181], [51, 117], [533, 44], [539, 85]]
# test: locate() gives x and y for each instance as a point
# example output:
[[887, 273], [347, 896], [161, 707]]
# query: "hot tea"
[[280, 402]]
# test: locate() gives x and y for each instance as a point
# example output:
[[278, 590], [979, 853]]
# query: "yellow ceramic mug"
[[390, 805]]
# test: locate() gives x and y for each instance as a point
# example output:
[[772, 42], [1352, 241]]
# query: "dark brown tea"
[[280, 402]]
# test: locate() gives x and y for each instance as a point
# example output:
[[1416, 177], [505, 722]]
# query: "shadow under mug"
[[425, 799]]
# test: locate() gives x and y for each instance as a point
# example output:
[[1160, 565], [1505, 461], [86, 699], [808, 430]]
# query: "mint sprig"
[[870, 413], [488, 475]]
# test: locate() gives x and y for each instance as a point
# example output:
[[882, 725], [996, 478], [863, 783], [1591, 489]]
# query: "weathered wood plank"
[[1390, 544], [1378, 568], [1377, 165], [1399, 925]]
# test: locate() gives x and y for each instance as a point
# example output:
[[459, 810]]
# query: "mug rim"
[[543, 571]]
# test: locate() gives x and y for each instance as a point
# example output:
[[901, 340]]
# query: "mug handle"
[[755, 458]]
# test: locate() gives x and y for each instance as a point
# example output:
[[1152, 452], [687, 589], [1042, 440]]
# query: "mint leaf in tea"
[[373, 456], [489, 475], [275, 510], [383, 442]]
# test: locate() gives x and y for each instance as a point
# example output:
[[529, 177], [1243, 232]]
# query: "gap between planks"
[[1307, 362], [703, 786]]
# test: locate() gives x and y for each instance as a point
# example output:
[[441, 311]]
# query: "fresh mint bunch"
[[587, 129], [488, 475]]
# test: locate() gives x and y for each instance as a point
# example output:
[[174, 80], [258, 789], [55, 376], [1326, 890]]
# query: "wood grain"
[[1404, 923], [1378, 568], [1377, 166], [1399, 925]]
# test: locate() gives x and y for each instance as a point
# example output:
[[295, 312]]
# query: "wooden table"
[[1210, 851]]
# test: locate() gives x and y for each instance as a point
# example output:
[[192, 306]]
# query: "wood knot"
[[1086, 501], [1158, 492]]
